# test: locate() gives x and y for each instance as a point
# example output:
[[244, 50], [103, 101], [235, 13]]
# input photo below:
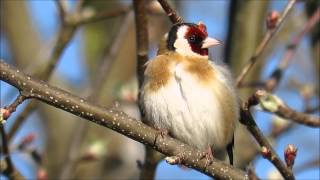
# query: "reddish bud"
[[42, 174], [28, 139], [272, 19], [290, 154], [5, 113], [266, 153], [88, 156]]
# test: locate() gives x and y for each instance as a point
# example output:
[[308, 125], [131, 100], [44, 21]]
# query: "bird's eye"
[[192, 38]]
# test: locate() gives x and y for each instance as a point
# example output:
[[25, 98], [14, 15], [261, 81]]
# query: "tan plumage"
[[190, 96]]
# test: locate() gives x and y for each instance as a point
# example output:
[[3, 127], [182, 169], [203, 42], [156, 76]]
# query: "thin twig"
[[19, 100], [65, 34], [263, 44], [172, 14], [8, 169], [247, 119], [276, 75], [30, 107], [102, 15], [298, 117], [118, 121], [274, 104], [61, 5]]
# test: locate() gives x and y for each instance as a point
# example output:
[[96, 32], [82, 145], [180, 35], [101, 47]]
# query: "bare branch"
[[302, 118], [62, 8], [172, 14], [86, 18], [7, 167], [274, 104], [276, 75], [95, 91], [263, 44], [247, 119], [65, 34], [12, 107], [141, 37], [21, 118], [118, 121]]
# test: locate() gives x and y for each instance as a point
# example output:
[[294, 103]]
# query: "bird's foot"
[[208, 155], [161, 133], [174, 159]]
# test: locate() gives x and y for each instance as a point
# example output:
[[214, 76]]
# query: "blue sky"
[[214, 14]]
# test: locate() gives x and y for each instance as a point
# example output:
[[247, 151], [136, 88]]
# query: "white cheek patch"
[[182, 45]]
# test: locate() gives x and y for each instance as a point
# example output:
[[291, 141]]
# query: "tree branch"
[[118, 121], [141, 37], [263, 44], [276, 75], [148, 168], [95, 91], [274, 104], [172, 14], [62, 8], [94, 17], [247, 119], [7, 167], [65, 34]]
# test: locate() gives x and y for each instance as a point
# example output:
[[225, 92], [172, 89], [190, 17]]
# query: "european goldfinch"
[[186, 94]]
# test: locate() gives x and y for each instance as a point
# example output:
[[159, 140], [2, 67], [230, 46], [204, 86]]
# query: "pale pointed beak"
[[208, 42]]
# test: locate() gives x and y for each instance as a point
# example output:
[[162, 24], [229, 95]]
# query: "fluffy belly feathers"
[[190, 110]]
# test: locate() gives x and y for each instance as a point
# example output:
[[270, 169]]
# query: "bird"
[[190, 96]]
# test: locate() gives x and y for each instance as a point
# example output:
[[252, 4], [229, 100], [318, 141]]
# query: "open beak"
[[208, 42]]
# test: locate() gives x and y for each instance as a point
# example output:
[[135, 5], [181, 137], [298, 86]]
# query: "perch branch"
[[263, 44], [118, 121]]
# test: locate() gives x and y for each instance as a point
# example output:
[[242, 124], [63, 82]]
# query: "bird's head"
[[190, 39]]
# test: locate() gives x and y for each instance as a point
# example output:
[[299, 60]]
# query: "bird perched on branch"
[[188, 95]]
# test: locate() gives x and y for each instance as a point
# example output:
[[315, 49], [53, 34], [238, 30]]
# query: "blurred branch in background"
[[277, 74], [271, 31], [310, 8], [149, 166], [243, 36], [272, 82], [95, 91], [65, 34]]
